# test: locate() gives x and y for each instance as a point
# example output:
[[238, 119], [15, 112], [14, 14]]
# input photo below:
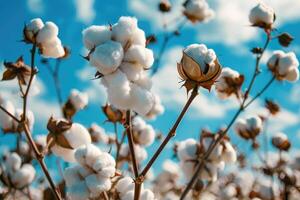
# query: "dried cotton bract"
[[45, 36], [248, 128], [199, 66], [93, 174], [281, 142], [120, 55], [262, 16], [197, 10], [284, 66]]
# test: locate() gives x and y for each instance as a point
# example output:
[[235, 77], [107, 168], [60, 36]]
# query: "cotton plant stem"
[[10, 114], [242, 107], [171, 133]]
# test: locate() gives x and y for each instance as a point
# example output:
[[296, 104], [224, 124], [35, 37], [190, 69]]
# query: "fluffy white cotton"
[[284, 65], [95, 35], [143, 133], [124, 185], [96, 185], [141, 99], [48, 33], [156, 109], [76, 136], [198, 10], [98, 134], [6, 122], [262, 15], [249, 127], [78, 99], [29, 116], [279, 138], [140, 152], [187, 149], [32, 28], [139, 54], [13, 162], [229, 153], [133, 71], [216, 153], [107, 57]]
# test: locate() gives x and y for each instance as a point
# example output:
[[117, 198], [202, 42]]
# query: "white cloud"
[[35, 6], [85, 11], [166, 85], [295, 94], [230, 25]]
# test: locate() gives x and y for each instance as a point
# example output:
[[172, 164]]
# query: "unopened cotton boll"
[[139, 54], [76, 136], [262, 16], [198, 10], [141, 99], [6, 122], [107, 57], [95, 35], [32, 28], [48, 33], [79, 99]]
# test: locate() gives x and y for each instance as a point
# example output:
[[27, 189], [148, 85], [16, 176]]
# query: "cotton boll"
[[139, 37], [78, 191], [124, 30], [97, 184], [32, 28], [107, 57], [52, 48], [95, 35], [128, 196], [147, 195], [139, 54], [87, 155], [6, 122], [188, 169], [209, 173], [156, 109], [140, 153], [216, 153], [171, 167], [124, 185], [187, 149], [77, 135], [13, 162], [71, 175], [141, 99], [273, 60], [120, 100], [24, 148], [49, 32], [138, 123], [79, 99], [144, 81], [105, 165], [24, 176], [229, 153], [198, 10], [286, 62], [262, 15], [64, 153], [146, 136], [292, 75], [132, 70], [98, 134]]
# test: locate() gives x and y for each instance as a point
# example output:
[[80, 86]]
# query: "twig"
[[240, 110], [10, 114]]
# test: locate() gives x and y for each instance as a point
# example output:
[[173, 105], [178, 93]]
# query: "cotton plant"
[[197, 10]]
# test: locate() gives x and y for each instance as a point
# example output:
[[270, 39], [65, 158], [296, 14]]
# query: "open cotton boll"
[[262, 15], [117, 81], [24, 176], [87, 154], [97, 184], [124, 185], [6, 122], [187, 149], [120, 100], [71, 175], [95, 35], [146, 136], [76, 136], [48, 33], [144, 81], [78, 191], [98, 134], [139, 54], [292, 75], [32, 28], [198, 10], [141, 99], [229, 153], [216, 153], [107, 57], [210, 172], [156, 109], [124, 29], [79, 99], [289, 60], [200, 54], [139, 37], [138, 123], [13, 162], [132, 70], [53, 49], [105, 165], [147, 195]]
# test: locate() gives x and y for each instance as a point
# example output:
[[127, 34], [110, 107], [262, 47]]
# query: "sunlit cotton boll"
[[248, 128], [107, 57], [140, 152], [187, 149], [229, 153], [197, 10], [139, 54], [48, 33], [141, 99], [78, 99], [133, 71], [262, 16], [284, 66], [95, 35], [13, 162], [6, 122], [127, 32], [143, 134], [76, 136], [32, 28]]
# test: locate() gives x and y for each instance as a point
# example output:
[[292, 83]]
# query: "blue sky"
[[229, 34]]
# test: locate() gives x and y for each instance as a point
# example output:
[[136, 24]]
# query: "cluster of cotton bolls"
[[120, 55], [197, 10], [8, 124], [93, 174], [262, 16], [284, 66], [45, 36], [125, 190], [20, 175], [166, 181], [249, 128], [76, 136], [189, 151], [229, 83]]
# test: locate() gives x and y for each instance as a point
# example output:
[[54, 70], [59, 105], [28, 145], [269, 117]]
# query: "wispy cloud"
[[85, 11], [35, 6]]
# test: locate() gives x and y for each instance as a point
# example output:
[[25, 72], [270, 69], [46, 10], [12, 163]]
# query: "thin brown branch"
[[10, 114]]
